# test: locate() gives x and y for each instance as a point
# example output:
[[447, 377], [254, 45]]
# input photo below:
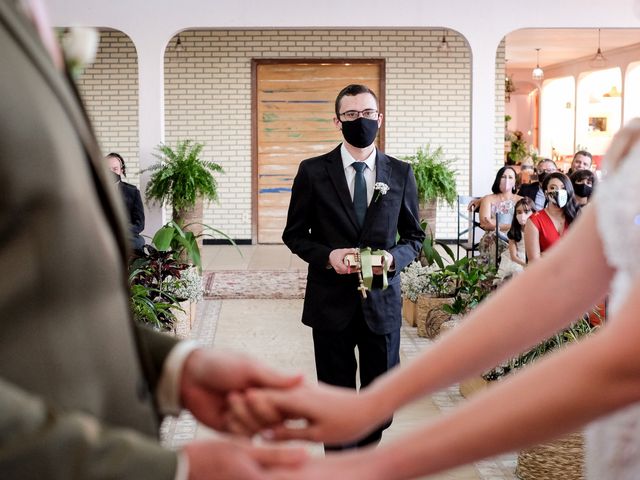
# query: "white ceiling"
[[559, 45]]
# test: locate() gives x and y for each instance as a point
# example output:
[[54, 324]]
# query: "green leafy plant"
[[576, 331], [182, 176], [182, 243], [429, 254], [151, 302], [519, 148], [435, 178], [474, 282]]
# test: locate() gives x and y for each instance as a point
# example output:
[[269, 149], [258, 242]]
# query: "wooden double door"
[[293, 120]]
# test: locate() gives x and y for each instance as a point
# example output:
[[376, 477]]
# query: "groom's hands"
[[328, 414], [208, 377]]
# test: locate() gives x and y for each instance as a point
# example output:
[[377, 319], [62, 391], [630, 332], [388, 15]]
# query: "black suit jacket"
[[529, 190], [321, 218], [133, 203]]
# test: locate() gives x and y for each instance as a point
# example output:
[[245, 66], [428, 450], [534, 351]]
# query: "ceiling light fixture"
[[598, 60], [444, 45], [537, 74]]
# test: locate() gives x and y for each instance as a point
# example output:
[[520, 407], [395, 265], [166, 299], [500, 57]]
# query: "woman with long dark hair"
[[545, 227], [497, 207]]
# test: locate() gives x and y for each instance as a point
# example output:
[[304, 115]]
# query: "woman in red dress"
[[545, 227]]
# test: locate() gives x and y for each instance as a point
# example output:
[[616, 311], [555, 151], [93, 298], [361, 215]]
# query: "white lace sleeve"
[[617, 200]]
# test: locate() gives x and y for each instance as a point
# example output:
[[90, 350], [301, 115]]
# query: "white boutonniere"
[[80, 45], [380, 188]]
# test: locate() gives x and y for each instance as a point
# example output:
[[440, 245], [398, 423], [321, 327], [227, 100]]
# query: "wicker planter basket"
[[560, 459], [409, 311], [429, 315]]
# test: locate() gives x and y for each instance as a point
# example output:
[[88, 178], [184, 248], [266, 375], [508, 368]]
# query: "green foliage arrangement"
[[182, 176], [519, 148], [576, 331], [434, 176], [429, 254], [474, 282], [151, 302], [183, 243]]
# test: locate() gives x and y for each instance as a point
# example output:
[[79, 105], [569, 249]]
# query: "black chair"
[[467, 225]]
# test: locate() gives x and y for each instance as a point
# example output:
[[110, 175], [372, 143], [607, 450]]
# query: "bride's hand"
[[329, 414]]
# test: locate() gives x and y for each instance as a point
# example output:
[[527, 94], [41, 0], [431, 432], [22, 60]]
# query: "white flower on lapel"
[[79, 45], [380, 188]]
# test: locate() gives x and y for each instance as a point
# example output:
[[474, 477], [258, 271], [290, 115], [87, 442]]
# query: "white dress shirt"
[[350, 172]]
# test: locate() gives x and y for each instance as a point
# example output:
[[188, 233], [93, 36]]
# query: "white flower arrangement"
[[380, 188], [186, 288], [415, 279], [80, 45]]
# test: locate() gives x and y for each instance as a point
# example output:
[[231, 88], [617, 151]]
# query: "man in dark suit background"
[[82, 387], [334, 209], [132, 201], [534, 190]]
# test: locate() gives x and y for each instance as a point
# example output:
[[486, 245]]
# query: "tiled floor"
[[271, 331]]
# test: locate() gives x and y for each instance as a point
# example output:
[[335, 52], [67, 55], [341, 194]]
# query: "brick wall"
[[208, 99], [109, 88]]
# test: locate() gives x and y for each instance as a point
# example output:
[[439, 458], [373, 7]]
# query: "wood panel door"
[[293, 120]]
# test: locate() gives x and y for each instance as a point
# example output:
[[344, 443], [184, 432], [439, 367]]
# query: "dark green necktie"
[[360, 192]]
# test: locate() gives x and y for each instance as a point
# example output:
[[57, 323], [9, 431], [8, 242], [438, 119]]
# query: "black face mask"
[[541, 177], [583, 190], [115, 178], [360, 132]]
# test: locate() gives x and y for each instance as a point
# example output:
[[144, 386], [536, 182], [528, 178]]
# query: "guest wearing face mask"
[[500, 203], [514, 259], [583, 182], [354, 196], [545, 227], [534, 190], [132, 201]]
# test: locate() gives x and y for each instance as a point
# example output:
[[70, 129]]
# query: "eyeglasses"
[[369, 114]]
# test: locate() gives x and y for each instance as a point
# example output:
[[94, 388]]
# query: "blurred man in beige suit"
[[81, 387]]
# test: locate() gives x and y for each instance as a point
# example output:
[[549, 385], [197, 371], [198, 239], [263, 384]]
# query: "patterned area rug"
[[278, 284]]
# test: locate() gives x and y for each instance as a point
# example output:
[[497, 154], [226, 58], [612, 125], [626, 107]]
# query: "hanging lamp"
[[598, 60], [537, 74]]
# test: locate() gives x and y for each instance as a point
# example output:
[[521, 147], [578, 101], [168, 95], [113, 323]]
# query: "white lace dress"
[[613, 443]]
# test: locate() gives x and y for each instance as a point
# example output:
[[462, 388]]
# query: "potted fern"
[[435, 179], [183, 180]]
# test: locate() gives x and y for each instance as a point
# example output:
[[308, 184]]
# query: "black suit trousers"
[[336, 362]]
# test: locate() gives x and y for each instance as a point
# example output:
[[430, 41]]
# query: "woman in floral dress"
[[498, 205]]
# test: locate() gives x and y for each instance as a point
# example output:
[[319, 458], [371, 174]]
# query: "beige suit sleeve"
[[37, 442]]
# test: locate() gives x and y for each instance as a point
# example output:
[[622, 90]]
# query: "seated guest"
[[583, 182], [527, 169], [132, 200], [534, 190], [497, 207], [582, 160], [514, 259], [545, 227]]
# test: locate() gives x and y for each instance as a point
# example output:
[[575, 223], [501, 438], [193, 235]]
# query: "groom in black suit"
[[335, 207]]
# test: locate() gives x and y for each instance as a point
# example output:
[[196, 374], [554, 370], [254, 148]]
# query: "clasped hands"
[[234, 394], [337, 261]]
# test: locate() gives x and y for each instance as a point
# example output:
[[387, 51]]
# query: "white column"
[[150, 49], [483, 113]]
